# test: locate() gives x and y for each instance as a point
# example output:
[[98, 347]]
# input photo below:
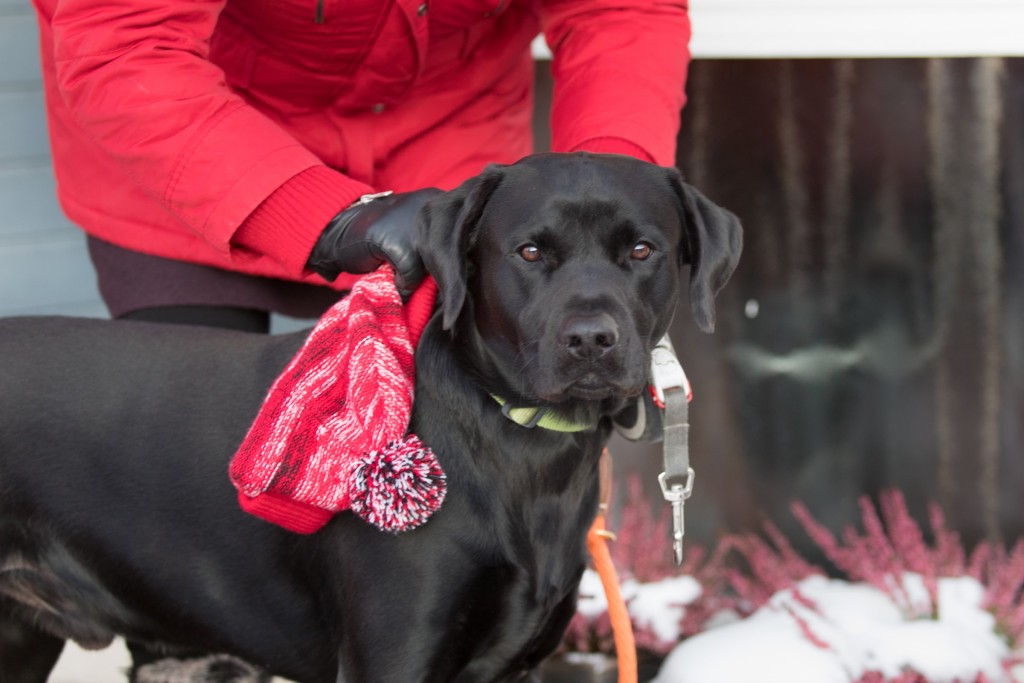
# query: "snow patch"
[[826, 630]]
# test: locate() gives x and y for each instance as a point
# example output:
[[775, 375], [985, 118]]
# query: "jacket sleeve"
[[619, 69], [137, 78]]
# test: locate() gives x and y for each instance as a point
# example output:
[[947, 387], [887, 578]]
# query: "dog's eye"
[[529, 252], [641, 251]]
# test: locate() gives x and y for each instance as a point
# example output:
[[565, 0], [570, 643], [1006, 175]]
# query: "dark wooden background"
[[873, 334]]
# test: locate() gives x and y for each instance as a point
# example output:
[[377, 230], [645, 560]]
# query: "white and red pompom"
[[398, 487]]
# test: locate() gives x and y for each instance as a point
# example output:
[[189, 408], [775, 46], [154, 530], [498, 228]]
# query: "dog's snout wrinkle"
[[589, 337]]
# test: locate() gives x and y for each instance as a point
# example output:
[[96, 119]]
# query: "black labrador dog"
[[558, 275]]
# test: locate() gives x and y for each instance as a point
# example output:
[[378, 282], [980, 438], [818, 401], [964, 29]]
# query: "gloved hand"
[[363, 236]]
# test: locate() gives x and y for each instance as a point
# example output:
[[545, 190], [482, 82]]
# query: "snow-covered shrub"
[[897, 609]]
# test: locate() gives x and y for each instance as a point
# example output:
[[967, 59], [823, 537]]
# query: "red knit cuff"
[[290, 514], [287, 224], [610, 145]]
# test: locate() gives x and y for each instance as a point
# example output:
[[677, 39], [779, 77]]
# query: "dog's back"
[[116, 513]]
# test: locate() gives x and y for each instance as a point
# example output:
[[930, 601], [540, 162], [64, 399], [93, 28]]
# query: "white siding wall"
[[43, 264]]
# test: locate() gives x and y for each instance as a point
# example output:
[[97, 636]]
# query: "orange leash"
[[597, 544]]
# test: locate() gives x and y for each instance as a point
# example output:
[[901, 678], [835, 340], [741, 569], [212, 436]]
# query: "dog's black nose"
[[589, 337]]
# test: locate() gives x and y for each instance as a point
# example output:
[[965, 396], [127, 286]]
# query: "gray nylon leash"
[[676, 480]]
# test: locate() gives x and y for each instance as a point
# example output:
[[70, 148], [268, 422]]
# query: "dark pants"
[[242, 319], [137, 286]]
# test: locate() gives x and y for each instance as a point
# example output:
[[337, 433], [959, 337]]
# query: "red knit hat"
[[331, 434]]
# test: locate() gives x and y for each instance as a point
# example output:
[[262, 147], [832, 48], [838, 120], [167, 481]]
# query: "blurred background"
[[873, 335]]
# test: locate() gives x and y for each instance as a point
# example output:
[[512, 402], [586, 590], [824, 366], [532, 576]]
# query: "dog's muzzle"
[[590, 357]]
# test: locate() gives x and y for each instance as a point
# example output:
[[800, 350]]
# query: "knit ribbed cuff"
[[610, 145], [288, 222], [290, 514]]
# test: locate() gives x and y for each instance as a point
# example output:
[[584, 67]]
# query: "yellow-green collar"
[[539, 417]]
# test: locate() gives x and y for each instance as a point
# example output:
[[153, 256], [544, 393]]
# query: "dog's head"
[[563, 270]]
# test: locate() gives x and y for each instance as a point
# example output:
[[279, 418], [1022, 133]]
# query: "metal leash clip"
[[673, 390], [676, 494]]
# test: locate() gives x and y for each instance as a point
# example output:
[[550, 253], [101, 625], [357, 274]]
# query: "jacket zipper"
[[319, 11]]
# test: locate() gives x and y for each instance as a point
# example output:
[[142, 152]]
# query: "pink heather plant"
[[1002, 574], [642, 551], [891, 545], [907, 677], [770, 566], [745, 570], [585, 635]]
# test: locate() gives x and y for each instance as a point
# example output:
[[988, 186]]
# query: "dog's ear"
[[446, 232], [712, 242]]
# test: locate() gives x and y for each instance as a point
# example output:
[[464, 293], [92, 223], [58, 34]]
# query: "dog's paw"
[[211, 669]]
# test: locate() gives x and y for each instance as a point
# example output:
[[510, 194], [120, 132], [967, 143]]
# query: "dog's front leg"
[[421, 632], [391, 596], [417, 607]]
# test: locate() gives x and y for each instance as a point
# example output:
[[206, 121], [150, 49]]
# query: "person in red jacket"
[[226, 157]]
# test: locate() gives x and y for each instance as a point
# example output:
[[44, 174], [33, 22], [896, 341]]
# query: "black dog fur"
[[558, 274]]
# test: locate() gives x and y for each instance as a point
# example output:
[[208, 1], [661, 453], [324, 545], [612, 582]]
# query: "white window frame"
[[853, 28]]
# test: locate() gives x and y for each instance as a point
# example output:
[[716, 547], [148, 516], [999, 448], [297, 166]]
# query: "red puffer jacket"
[[229, 132]]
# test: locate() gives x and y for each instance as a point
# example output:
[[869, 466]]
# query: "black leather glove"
[[363, 236]]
